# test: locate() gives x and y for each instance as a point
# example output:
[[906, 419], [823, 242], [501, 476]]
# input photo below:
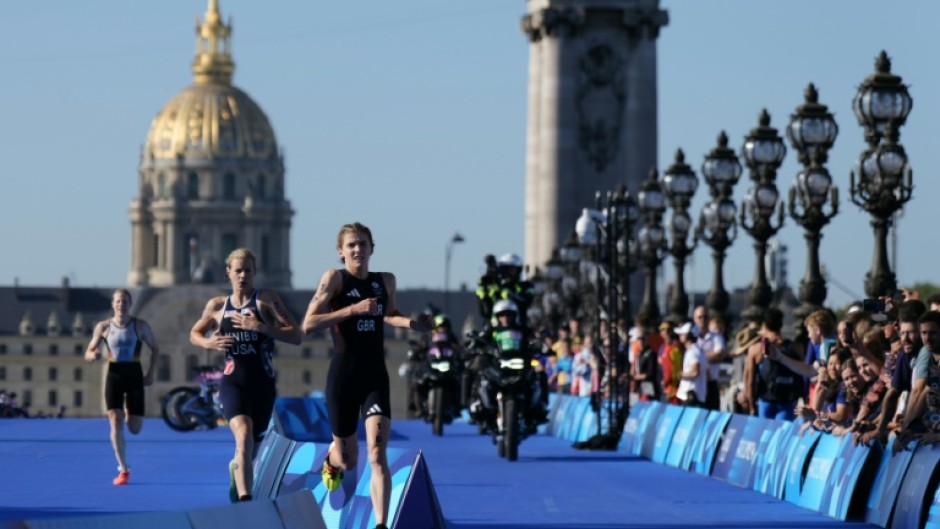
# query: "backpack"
[[777, 382]]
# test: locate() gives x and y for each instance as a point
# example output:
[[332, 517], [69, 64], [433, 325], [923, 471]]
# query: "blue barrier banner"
[[933, 514], [729, 444], [587, 426], [570, 417], [680, 449], [841, 487], [817, 473], [269, 464], [887, 483], [579, 409], [554, 407], [756, 430], [350, 506], [705, 444], [912, 499], [771, 465], [631, 426], [798, 455], [664, 430], [646, 435]]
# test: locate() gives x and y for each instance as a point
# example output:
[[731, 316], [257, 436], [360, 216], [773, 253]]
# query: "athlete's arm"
[[395, 318], [92, 352], [208, 322], [285, 328], [319, 316], [146, 335]]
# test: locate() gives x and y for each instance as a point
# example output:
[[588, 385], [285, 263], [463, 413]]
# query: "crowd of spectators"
[[873, 372]]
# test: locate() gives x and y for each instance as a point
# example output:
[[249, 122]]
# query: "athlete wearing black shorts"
[[125, 378], [357, 381], [355, 304], [248, 381], [124, 383], [246, 324]]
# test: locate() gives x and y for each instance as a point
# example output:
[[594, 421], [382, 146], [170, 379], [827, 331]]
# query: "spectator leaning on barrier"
[[773, 388], [693, 383], [821, 333], [923, 409], [831, 406], [875, 372]]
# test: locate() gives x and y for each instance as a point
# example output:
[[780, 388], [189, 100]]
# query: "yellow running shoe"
[[332, 477], [232, 487]]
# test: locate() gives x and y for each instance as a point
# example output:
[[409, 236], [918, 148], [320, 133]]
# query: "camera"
[[874, 306]]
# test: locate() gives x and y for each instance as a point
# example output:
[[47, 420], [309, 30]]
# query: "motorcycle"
[[439, 383], [508, 406], [187, 408]]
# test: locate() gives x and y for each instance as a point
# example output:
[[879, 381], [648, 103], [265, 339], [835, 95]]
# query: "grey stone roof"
[[94, 304]]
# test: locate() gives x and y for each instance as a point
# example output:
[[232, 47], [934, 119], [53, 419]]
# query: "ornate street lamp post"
[[680, 183], [551, 299], [716, 226], [571, 281], [763, 152], [651, 240], [536, 315], [456, 239], [882, 182], [607, 228], [812, 131]]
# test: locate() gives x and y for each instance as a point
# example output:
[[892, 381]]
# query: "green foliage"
[[925, 290]]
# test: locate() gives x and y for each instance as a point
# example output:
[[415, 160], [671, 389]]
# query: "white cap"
[[687, 328]]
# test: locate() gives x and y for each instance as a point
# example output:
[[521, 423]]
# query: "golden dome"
[[211, 118], [209, 121]]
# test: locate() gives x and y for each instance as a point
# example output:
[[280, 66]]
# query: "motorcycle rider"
[[508, 285], [510, 335], [442, 344]]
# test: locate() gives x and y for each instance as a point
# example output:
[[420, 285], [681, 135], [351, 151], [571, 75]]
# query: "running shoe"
[[232, 487], [332, 477], [122, 478]]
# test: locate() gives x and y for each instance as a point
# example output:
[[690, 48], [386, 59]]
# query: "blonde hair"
[[241, 253], [353, 228]]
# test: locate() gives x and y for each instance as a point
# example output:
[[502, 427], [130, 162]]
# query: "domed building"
[[211, 179]]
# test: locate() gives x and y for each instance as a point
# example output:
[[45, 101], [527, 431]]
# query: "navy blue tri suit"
[[248, 384], [357, 381]]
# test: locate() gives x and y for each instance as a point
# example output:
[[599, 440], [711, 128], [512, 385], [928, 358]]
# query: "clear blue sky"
[[410, 117]]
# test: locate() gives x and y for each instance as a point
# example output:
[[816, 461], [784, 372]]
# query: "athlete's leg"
[[241, 427], [344, 452], [378, 428], [134, 424], [116, 419]]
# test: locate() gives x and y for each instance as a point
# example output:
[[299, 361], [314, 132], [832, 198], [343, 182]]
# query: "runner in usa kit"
[[355, 304], [246, 324]]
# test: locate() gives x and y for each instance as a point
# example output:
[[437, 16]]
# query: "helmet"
[[505, 305], [441, 319], [509, 259]]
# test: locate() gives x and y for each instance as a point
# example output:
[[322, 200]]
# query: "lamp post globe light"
[[679, 184], [716, 226], [651, 240], [882, 181], [812, 132], [763, 152]]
